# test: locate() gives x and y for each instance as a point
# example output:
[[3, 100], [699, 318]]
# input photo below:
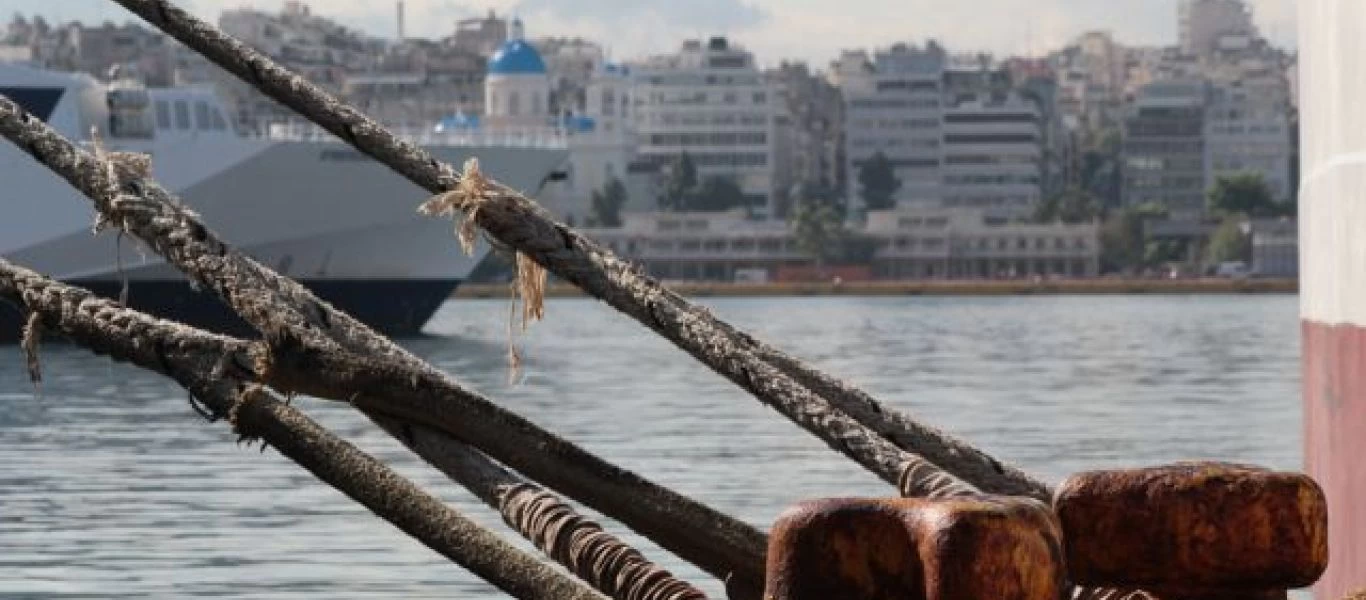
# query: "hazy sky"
[[813, 30]]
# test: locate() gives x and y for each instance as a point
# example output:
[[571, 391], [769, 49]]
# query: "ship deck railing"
[[513, 137]]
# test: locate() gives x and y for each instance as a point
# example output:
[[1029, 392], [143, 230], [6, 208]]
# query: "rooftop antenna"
[[401, 37]]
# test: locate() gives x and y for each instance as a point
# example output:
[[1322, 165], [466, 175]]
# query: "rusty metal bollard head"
[[1194, 530], [916, 549]]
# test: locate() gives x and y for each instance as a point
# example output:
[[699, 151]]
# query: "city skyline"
[[774, 30]]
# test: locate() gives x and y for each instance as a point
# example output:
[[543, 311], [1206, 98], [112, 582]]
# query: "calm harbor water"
[[110, 486]]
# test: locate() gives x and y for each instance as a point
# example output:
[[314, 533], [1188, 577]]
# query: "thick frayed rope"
[[921, 479], [601, 559], [32, 336], [465, 199], [1100, 594], [529, 279]]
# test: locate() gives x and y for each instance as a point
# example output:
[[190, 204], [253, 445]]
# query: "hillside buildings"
[[989, 138], [1203, 24], [481, 35]]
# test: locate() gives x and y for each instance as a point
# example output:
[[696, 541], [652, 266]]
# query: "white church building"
[[600, 137]]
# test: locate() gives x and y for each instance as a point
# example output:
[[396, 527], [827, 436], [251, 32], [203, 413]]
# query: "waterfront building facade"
[[909, 242]]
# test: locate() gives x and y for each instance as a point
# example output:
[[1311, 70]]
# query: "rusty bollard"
[[1194, 531], [913, 549]]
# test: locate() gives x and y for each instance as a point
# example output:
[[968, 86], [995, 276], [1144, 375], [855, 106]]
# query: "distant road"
[[940, 288]]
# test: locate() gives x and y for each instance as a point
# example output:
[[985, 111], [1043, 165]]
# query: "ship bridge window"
[[182, 115], [39, 102], [129, 124], [218, 123], [201, 116], [163, 115]]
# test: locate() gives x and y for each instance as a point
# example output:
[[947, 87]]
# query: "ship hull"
[[394, 307]]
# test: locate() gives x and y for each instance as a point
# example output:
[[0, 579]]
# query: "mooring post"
[[964, 548], [1194, 531]]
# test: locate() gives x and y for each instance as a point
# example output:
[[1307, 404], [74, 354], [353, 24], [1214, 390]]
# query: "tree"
[[607, 203], [808, 191], [1099, 166], [1073, 205], [682, 180], [1122, 247], [1229, 243], [717, 193], [878, 183], [819, 229], [1244, 194]]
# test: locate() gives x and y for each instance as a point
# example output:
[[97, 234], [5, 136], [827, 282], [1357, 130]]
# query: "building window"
[[514, 104], [760, 98]]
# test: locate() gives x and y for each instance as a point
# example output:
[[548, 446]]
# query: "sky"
[[810, 30]]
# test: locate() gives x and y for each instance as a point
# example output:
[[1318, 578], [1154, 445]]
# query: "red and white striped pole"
[[1332, 67]]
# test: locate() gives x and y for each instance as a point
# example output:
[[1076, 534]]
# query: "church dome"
[[516, 57]]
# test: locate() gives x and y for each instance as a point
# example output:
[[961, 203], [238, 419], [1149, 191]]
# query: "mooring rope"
[[922, 479], [596, 556], [291, 318], [188, 355], [520, 223]]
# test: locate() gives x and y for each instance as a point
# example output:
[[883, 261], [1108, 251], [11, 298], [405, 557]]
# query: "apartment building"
[[1246, 132], [993, 154], [710, 101], [894, 105], [1164, 148]]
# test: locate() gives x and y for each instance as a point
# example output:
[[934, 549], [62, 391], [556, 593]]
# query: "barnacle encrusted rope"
[[598, 557]]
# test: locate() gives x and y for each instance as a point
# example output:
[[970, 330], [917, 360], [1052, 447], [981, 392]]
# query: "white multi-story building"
[[711, 102], [1248, 133], [993, 154], [1202, 23], [893, 106]]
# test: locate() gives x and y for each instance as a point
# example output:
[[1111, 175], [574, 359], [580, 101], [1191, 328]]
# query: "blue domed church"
[[517, 90]]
